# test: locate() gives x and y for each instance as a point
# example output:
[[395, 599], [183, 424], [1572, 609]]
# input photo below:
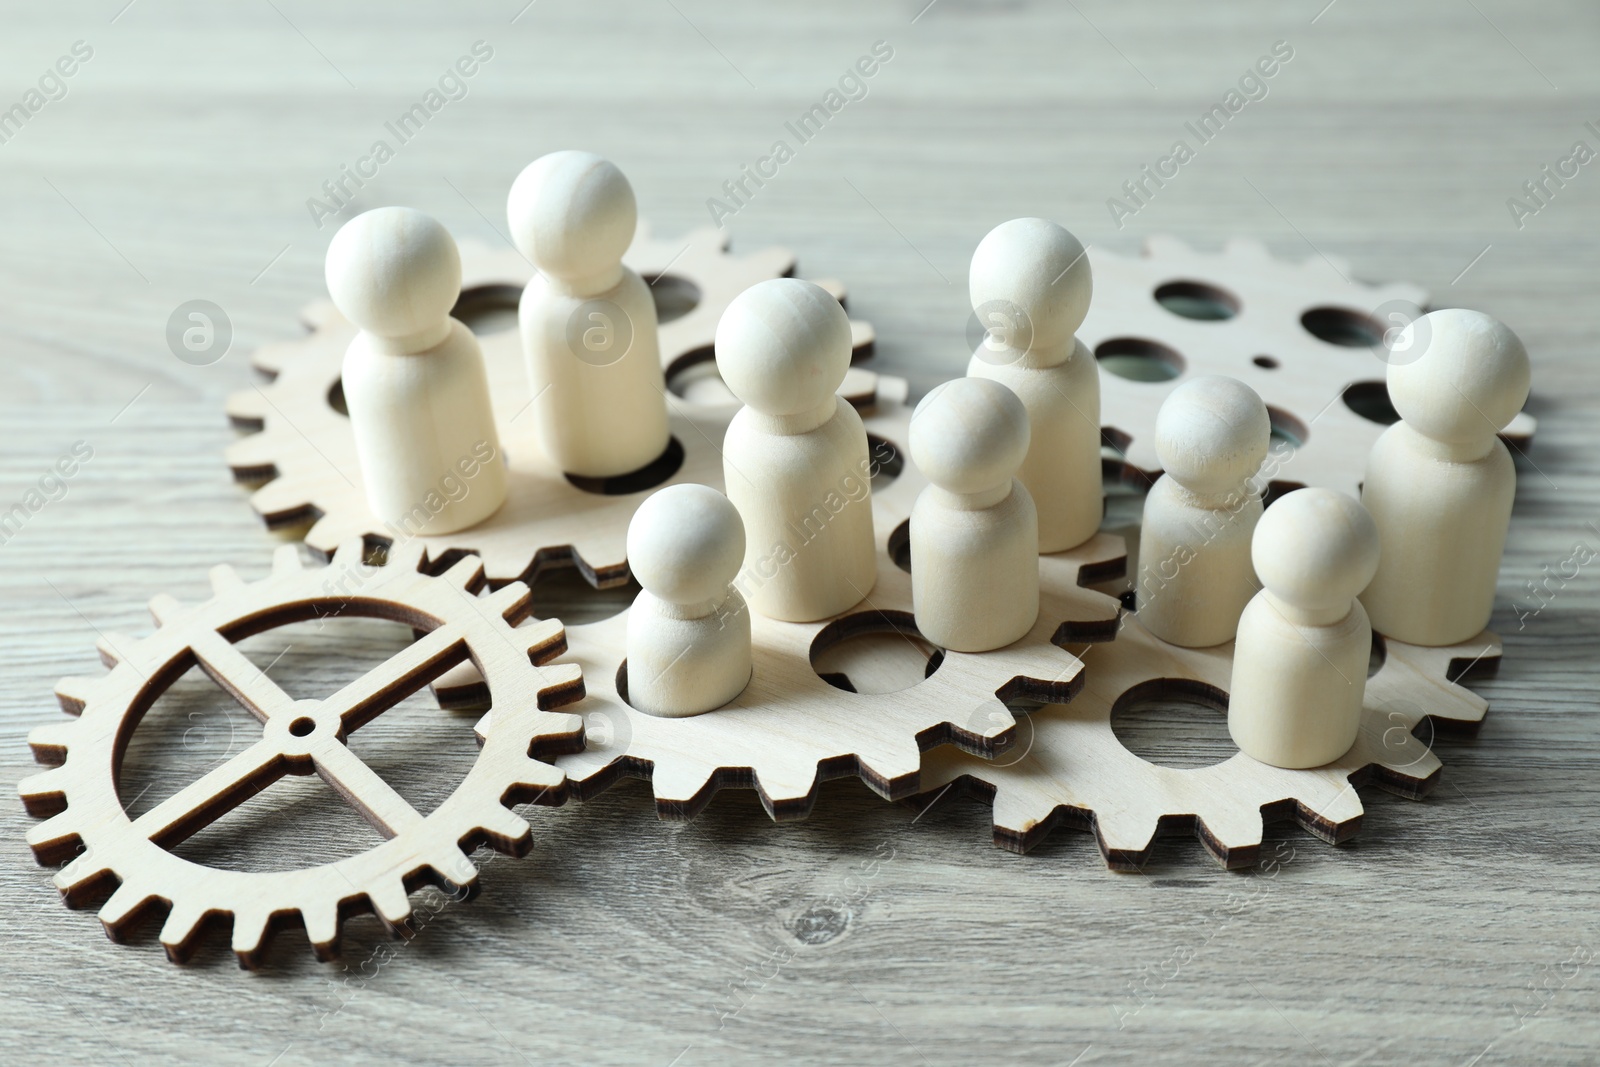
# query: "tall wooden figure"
[[974, 531], [1439, 483], [1300, 661], [588, 323], [1195, 575], [795, 456], [414, 380], [688, 631], [1030, 285]]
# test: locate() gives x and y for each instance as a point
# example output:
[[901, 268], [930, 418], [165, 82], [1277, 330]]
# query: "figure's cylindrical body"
[[803, 486], [1297, 689], [975, 570], [425, 434], [680, 666], [1062, 469], [1442, 522], [1195, 574], [594, 371]]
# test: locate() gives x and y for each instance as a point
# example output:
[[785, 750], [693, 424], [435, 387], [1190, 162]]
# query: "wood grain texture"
[[178, 167]]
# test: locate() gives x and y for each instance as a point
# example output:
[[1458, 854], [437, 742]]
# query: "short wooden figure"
[[1300, 661], [795, 456], [974, 530], [1030, 285], [688, 631], [1439, 483], [414, 378], [588, 323], [1195, 575]]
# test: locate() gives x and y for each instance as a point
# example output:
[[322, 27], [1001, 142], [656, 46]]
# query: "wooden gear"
[[1073, 771], [1309, 384], [87, 819], [305, 447], [790, 730]]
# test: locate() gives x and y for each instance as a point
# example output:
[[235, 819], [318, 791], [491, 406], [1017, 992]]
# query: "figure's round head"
[[1316, 549], [783, 346], [1469, 380], [572, 214], [1212, 433], [969, 435], [393, 271], [1031, 277], [686, 543]]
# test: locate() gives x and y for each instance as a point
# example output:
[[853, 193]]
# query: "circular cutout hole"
[[674, 296], [562, 592], [874, 652], [1265, 362], [302, 726], [900, 546], [488, 309], [886, 462], [1138, 359], [694, 377], [1197, 300], [1174, 723], [1371, 401], [1288, 429], [1343, 327], [649, 476]]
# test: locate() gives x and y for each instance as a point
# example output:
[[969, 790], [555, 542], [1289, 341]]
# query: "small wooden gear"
[[305, 449], [1069, 768], [1303, 335], [88, 826]]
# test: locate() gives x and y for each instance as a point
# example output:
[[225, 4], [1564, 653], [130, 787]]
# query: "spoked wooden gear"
[[1307, 336], [304, 450], [791, 729], [87, 820], [1069, 769]]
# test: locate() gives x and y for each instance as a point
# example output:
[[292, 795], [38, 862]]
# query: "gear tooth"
[[279, 499], [322, 928], [110, 645], [1159, 245], [181, 930], [1247, 248], [249, 936], [1232, 828], [832, 286], [286, 560], [507, 831], [225, 580], [508, 600], [788, 783], [253, 454], [391, 903], [407, 557], [55, 839], [45, 793], [164, 608], [678, 783], [1123, 832], [50, 742], [74, 692], [1337, 262], [123, 910], [465, 572], [246, 408], [543, 639], [560, 684], [1521, 428], [352, 552]]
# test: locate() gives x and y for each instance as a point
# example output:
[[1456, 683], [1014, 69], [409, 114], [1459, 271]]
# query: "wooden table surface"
[[177, 166]]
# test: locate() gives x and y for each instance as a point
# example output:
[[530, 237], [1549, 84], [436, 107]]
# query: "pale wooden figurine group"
[[1012, 452]]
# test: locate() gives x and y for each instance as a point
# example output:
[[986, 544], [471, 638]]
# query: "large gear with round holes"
[[88, 826], [303, 448], [1304, 335], [1068, 767], [792, 729]]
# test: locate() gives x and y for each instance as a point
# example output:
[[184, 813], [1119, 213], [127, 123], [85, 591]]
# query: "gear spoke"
[[387, 811], [397, 678], [241, 679], [208, 798]]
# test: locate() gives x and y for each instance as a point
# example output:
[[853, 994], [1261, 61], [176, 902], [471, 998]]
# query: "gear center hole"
[[874, 652], [304, 726], [1174, 723]]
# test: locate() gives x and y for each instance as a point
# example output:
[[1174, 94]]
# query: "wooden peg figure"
[[974, 531], [1439, 483], [1195, 575], [414, 379], [688, 631], [795, 456], [1030, 285], [588, 322], [1300, 660]]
